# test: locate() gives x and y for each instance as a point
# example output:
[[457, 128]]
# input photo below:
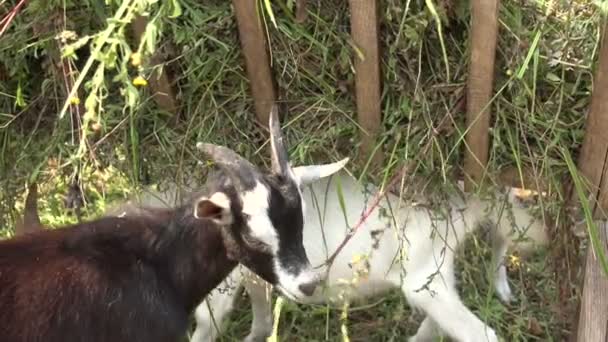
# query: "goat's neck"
[[198, 262]]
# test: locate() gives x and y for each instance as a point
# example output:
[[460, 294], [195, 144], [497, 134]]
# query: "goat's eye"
[[246, 217]]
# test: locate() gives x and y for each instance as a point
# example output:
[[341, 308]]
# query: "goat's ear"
[[215, 208], [309, 174]]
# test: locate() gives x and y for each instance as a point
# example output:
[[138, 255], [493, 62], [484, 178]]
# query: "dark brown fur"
[[132, 279]]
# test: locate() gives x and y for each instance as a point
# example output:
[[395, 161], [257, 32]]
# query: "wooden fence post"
[[364, 31], [301, 11], [484, 30], [160, 83], [593, 310], [257, 61], [30, 221]]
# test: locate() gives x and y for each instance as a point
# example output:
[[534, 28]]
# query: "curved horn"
[[279, 156], [232, 162], [312, 173]]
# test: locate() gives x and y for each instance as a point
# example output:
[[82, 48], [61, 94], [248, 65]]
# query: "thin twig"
[[379, 195], [8, 19]]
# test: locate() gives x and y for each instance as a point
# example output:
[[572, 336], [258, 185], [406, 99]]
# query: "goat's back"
[[92, 282]]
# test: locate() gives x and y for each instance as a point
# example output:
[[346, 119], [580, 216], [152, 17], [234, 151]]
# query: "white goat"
[[403, 246]]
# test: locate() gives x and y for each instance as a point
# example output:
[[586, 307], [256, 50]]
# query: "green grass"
[[545, 62], [532, 317]]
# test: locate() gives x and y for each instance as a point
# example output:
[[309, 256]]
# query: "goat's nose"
[[309, 288]]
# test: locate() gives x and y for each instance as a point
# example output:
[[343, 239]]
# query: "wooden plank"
[[601, 211], [31, 221], [595, 144], [593, 315], [364, 32], [593, 159], [160, 82], [257, 60], [593, 310], [301, 11], [484, 30]]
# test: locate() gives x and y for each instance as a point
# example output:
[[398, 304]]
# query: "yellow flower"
[[140, 81], [357, 258], [515, 261], [136, 59], [74, 100]]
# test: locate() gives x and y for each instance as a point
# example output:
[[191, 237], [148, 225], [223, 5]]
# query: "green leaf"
[[131, 96], [533, 46], [341, 200], [150, 38], [270, 13], [431, 6], [176, 9], [69, 50], [551, 77], [19, 99], [274, 337]]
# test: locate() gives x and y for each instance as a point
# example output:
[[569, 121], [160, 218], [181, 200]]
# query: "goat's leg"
[[210, 313], [260, 294], [426, 332], [443, 306], [501, 279]]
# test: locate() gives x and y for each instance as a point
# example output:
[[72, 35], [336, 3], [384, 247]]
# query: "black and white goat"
[[412, 249], [139, 277]]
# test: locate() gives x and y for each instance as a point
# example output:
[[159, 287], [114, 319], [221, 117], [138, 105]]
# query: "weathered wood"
[[594, 159], [593, 315], [301, 11], [31, 220], [160, 82], [484, 29], [602, 210], [593, 310], [364, 32], [595, 144], [257, 60]]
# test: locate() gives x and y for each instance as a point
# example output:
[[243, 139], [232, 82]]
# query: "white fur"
[[415, 253], [255, 205]]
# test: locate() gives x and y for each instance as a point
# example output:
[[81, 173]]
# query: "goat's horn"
[[231, 162], [279, 156]]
